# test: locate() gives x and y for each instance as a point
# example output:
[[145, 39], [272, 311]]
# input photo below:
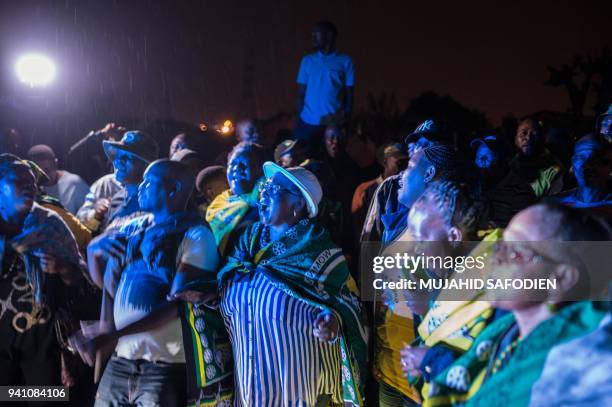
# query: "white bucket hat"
[[305, 180]]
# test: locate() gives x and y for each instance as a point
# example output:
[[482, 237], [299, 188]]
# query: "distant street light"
[[35, 70], [227, 127]]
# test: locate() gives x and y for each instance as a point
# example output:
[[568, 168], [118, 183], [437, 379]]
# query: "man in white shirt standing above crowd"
[[326, 80]]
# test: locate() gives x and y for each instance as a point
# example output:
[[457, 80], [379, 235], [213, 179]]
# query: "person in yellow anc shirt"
[[394, 329]]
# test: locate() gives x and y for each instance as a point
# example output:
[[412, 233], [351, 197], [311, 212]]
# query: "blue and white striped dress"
[[278, 360]]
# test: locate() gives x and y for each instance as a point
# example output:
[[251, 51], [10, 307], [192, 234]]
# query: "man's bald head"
[[544, 242], [166, 183], [547, 221], [174, 172]]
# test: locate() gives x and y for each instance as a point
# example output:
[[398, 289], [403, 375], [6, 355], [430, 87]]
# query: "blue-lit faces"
[[334, 141], [178, 143], [420, 144], [414, 179], [152, 191], [128, 167], [425, 223], [241, 173], [592, 167], [485, 157], [247, 131], [18, 189], [279, 200]]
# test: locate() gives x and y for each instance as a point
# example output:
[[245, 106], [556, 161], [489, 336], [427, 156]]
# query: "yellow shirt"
[[395, 332]]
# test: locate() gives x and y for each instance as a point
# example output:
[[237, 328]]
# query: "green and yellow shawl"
[[457, 323], [470, 381], [208, 353], [226, 212], [306, 264]]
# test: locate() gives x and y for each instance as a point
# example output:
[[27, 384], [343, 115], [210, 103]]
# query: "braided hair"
[[445, 159], [455, 204]]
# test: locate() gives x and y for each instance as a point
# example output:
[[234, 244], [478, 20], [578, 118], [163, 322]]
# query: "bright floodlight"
[[35, 70]]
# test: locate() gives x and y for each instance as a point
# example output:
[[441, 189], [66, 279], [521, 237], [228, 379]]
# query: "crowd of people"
[[171, 281]]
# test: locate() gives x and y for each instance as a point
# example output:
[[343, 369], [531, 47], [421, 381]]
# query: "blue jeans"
[[141, 383]]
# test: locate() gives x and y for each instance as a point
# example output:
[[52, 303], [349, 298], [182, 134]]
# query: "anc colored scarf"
[[470, 380], [458, 323], [307, 265], [227, 210]]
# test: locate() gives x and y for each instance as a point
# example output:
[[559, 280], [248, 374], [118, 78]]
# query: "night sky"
[[209, 60]]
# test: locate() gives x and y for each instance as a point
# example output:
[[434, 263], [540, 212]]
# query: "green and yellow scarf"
[[471, 381], [226, 211], [458, 323]]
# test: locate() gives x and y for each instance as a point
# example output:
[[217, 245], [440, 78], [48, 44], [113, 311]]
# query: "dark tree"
[[583, 75], [381, 120], [577, 78], [603, 88], [465, 121]]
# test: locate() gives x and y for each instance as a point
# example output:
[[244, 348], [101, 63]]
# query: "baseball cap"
[[433, 130], [283, 148], [493, 142]]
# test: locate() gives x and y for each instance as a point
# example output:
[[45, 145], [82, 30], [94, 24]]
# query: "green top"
[[541, 172], [470, 380]]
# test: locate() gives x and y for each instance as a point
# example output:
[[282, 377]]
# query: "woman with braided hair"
[[428, 163], [444, 220], [445, 217]]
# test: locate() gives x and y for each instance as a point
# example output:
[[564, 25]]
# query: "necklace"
[[504, 355], [265, 239]]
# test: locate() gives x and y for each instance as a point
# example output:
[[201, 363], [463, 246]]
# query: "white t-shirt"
[[70, 190], [140, 290], [325, 77]]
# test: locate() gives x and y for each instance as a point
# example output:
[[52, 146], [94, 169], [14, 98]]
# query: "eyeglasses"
[[271, 189]]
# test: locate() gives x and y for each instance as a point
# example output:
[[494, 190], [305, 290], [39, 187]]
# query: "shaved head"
[[547, 221], [166, 185], [174, 171]]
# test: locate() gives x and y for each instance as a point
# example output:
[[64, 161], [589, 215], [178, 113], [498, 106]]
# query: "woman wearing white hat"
[[290, 305]]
